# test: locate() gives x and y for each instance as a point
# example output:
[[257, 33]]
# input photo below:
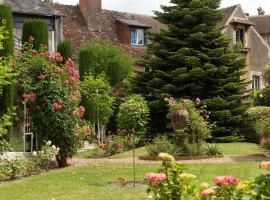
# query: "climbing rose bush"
[[174, 183], [50, 90]]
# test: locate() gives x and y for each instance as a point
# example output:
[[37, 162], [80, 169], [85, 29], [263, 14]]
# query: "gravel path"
[[225, 159]]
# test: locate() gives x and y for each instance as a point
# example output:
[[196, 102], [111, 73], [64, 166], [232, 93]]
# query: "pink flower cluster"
[[208, 192], [56, 57], [79, 112], [265, 164], [31, 38], [29, 97], [42, 77], [72, 72], [57, 105], [155, 177], [171, 101], [224, 180], [118, 146]]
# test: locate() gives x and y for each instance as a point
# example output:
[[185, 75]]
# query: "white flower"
[[54, 147], [48, 143], [34, 154]]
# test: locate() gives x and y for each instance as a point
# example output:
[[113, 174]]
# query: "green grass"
[[241, 148], [91, 181]]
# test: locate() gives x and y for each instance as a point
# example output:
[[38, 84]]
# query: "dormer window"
[[137, 37], [240, 35]]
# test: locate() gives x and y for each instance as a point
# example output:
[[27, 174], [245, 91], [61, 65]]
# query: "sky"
[[147, 6]]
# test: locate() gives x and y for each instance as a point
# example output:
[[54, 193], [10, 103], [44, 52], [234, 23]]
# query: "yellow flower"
[[205, 185], [187, 176], [165, 157]]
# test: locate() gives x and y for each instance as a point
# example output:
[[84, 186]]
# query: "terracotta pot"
[[179, 119]]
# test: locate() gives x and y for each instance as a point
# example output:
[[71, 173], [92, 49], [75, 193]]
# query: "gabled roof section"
[[132, 22], [227, 13], [262, 23], [34, 7]]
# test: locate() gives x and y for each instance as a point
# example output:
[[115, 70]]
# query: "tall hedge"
[[97, 57], [65, 49], [37, 28], [6, 19]]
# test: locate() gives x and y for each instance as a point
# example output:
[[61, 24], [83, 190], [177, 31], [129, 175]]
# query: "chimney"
[[90, 10]]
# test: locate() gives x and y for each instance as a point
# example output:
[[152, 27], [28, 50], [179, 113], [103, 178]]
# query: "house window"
[[240, 35], [256, 82], [137, 37]]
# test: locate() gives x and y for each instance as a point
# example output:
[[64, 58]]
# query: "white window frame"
[[261, 82], [137, 37]]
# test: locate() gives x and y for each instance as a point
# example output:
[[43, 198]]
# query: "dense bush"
[[262, 97], [174, 183], [251, 118], [50, 90], [97, 57], [133, 114], [35, 31], [65, 49], [262, 128], [191, 140], [6, 20], [161, 144]]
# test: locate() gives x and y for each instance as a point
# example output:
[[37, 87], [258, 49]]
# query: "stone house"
[[36, 9], [250, 37]]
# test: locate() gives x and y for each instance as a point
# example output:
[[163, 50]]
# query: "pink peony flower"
[[223, 180], [55, 106], [265, 164], [118, 146], [32, 97], [208, 192], [155, 177]]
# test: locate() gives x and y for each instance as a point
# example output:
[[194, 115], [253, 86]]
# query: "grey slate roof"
[[36, 7], [132, 22], [262, 23]]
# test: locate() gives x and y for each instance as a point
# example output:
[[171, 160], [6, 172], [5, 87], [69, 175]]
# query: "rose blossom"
[[155, 177], [223, 180], [31, 38]]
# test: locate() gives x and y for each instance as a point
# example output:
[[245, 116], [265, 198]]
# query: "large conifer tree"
[[191, 58]]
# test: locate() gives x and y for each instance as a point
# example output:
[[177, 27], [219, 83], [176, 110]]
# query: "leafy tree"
[[50, 90], [35, 31], [97, 57], [133, 114], [98, 99], [191, 58]]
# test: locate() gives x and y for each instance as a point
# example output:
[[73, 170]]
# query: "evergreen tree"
[[191, 58], [65, 49]]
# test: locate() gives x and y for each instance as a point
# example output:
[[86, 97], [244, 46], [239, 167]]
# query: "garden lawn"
[[91, 181], [241, 148]]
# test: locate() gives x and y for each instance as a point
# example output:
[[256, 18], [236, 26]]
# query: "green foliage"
[[250, 120], [191, 140], [37, 29], [65, 49], [262, 128], [262, 97], [4, 147], [190, 59], [6, 20], [97, 57], [161, 144], [98, 101], [179, 184], [133, 114], [50, 90], [213, 150], [228, 139]]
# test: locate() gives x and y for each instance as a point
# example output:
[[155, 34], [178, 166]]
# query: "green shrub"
[[212, 150], [262, 97], [161, 144], [37, 29], [251, 117], [97, 57], [6, 20], [262, 128], [65, 49], [228, 139], [133, 114]]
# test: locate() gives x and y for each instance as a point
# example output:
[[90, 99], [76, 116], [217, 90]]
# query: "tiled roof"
[[132, 22], [227, 12], [79, 32], [36, 7], [262, 23]]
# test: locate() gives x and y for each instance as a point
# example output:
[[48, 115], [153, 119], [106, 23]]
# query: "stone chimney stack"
[[90, 9]]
